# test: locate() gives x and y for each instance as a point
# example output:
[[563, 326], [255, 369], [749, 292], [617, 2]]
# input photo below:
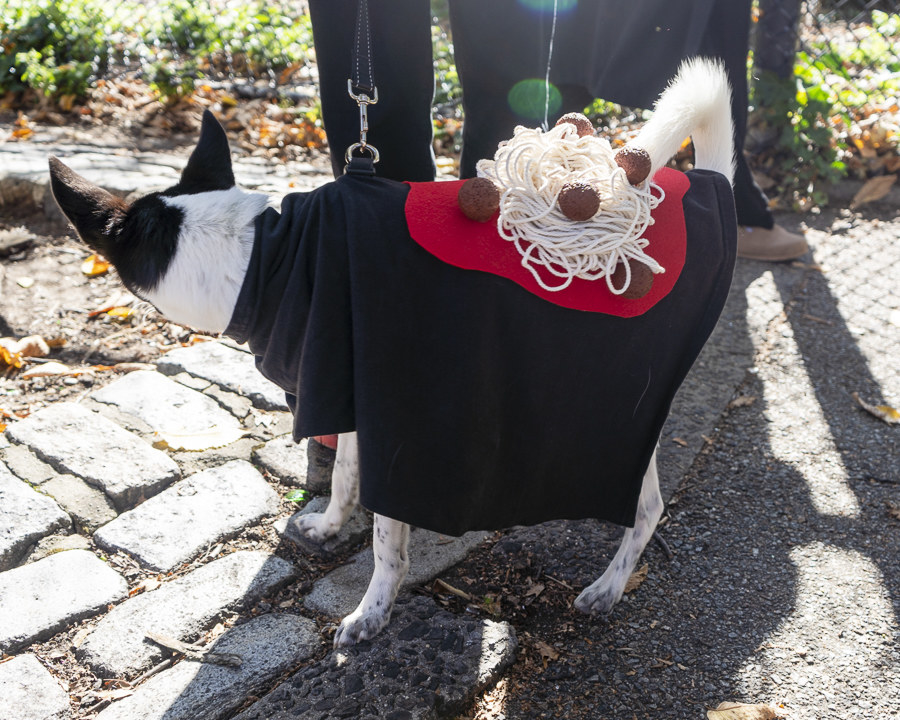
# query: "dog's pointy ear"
[[96, 214], [209, 167]]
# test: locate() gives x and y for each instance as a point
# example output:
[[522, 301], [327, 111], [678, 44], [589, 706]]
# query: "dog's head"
[[184, 249]]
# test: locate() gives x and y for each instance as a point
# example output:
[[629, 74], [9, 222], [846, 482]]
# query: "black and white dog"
[[187, 249]]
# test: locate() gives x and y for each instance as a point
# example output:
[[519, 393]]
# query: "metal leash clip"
[[363, 100]]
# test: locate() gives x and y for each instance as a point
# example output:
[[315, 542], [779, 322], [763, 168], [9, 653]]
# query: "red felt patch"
[[438, 225]]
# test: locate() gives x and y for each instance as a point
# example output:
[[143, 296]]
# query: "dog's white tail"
[[697, 102]]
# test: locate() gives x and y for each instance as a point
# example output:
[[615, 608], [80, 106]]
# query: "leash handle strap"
[[361, 156]]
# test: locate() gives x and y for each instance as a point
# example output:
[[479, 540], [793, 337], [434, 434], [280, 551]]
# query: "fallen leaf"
[[882, 412], [874, 189], [297, 495], [547, 652], [50, 369], [441, 586], [680, 441], [116, 694], [637, 577], [535, 589], [126, 367], [740, 711], [66, 102], [9, 358], [893, 509], [120, 313], [215, 437], [742, 401], [33, 346], [94, 265]]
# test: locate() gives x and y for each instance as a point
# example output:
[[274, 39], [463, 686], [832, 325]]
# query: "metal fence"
[[857, 40]]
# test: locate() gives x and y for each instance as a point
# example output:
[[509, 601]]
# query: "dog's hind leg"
[[607, 590], [344, 493], [389, 542]]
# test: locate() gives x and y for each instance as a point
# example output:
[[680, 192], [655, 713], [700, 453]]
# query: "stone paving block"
[[231, 369], [88, 507], [430, 554], [356, 529], [30, 692], [165, 405], [22, 462], [287, 461], [40, 599], [237, 405], [173, 527], [268, 645], [180, 609], [78, 441], [26, 516], [53, 544], [427, 664]]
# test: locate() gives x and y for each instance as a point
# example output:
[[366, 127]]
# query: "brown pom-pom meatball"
[[641, 279], [478, 198], [578, 201], [581, 123], [635, 162]]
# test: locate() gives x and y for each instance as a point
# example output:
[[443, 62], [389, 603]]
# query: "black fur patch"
[[146, 243], [209, 166]]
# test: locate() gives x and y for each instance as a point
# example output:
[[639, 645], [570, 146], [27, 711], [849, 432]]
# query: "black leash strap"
[[361, 156]]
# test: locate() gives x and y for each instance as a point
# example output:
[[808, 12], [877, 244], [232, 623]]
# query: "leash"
[[362, 156]]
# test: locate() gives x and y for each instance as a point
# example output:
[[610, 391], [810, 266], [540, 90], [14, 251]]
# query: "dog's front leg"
[[344, 493], [389, 542], [607, 590]]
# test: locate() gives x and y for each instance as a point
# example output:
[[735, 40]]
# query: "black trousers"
[[499, 43]]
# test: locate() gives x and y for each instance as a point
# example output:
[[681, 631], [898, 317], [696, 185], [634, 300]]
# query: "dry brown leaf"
[[8, 358], [94, 265], [882, 412], [742, 401], [637, 577], [126, 367], [120, 313], [680, 441], [33, 346], [547, 652], [535, 589], [740, 711], [874, 189], [893, 509]]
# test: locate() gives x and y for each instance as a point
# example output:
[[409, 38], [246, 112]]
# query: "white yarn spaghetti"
[[531, 169]]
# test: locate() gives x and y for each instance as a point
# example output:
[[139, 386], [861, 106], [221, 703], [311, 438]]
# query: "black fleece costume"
[[478, 404]]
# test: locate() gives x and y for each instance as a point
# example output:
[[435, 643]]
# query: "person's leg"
[[759, 238], [496, 46], [400, 124]]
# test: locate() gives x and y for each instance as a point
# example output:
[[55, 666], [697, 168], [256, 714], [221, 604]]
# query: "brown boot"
[[777, 244]]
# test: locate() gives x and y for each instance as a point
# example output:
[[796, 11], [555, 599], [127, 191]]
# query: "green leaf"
[[298, 495]]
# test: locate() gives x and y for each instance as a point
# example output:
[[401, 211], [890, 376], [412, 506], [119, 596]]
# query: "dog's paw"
[[316, 527], [360, 625], [598, 598]]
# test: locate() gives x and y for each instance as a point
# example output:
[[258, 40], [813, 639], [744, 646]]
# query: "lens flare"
[[529, 99]]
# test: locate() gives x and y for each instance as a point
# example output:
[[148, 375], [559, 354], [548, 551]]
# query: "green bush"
[[55, 46]]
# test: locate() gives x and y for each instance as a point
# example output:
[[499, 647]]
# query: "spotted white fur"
[[201, 285]]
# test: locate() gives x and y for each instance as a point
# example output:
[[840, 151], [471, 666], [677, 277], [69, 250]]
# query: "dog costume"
[[479, 404]]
